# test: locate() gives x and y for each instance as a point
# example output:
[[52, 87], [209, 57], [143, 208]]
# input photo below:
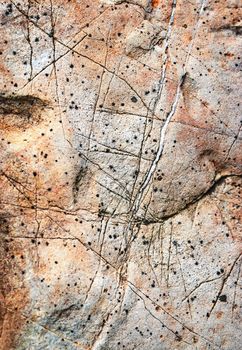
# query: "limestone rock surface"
[[120, 174]]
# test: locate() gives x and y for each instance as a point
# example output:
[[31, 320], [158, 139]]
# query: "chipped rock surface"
[[120, 175]]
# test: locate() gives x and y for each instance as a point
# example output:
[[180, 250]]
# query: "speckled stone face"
[[120, 174]]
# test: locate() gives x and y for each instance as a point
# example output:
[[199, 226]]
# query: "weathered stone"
[[144, 38], [120, 175]]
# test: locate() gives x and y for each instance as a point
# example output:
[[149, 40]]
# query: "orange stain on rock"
[[155, 3], [219, 314], [14, 294]]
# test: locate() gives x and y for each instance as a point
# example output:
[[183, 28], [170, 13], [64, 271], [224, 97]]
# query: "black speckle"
[[223, 298]]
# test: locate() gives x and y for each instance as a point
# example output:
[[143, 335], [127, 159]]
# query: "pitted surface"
[[120, 175]]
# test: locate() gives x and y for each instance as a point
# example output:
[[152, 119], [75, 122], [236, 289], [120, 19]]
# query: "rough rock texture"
[[120, 174]]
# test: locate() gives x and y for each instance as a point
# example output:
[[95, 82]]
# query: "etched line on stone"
[[152, 169]]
